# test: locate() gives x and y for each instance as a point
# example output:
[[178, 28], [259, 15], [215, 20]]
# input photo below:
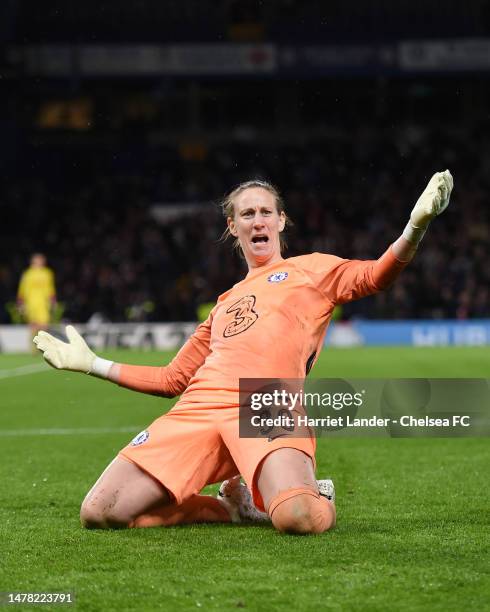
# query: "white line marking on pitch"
[[6, 433], [32, 368]]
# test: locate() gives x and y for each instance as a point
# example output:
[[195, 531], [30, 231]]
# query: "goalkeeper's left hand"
[[73, 355], [433, 201]]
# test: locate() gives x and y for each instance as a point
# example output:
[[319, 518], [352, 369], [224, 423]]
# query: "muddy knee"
[[95, 515]]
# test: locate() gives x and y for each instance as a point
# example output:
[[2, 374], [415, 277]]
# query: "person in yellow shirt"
[[36, 295]]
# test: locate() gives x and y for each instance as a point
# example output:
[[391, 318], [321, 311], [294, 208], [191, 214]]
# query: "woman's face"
[[257, 225]]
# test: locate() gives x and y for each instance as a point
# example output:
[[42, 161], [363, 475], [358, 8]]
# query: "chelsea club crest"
[[140, 438], [277, 277]]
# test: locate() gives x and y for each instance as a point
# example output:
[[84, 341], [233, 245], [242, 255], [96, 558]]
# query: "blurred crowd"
[[349, 194], [84, 161], [244, 19]]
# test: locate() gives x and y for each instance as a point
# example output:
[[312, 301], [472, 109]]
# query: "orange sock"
[[196, 509]]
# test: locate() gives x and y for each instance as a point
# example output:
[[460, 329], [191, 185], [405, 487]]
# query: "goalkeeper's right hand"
[[73, 355], [433, 201]]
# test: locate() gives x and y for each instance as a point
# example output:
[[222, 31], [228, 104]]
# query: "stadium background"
[[115, 114], [335, 108]]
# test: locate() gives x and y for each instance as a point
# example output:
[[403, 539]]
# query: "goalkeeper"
[[269, 325], [36, 295]]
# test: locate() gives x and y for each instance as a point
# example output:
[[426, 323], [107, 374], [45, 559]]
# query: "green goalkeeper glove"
[[73, 355], [433, 201]]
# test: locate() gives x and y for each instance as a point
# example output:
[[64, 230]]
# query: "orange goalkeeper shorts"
[[197, 444]]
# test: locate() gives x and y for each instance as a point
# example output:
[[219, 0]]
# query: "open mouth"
[[258, 239]]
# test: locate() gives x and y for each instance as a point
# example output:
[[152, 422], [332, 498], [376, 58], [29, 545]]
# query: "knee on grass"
[[95, 517], [302, 512]]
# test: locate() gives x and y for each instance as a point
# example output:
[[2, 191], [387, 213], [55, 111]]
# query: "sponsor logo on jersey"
[[277, 277], [140, 438], [244, 316]]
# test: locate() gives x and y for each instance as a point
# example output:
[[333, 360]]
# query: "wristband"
[[100, 367], [413, 234]]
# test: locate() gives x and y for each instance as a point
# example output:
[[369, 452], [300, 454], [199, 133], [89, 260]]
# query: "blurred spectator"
[[36, 295]]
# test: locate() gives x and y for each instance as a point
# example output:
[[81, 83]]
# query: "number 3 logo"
[[245, 316]]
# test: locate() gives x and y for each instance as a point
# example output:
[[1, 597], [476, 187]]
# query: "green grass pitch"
[[413, 517]]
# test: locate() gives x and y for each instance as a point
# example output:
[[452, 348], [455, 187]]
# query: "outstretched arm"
[[168, 381], [349, 279]]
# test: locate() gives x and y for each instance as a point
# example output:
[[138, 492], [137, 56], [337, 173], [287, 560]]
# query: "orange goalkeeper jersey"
[[269, 325]]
